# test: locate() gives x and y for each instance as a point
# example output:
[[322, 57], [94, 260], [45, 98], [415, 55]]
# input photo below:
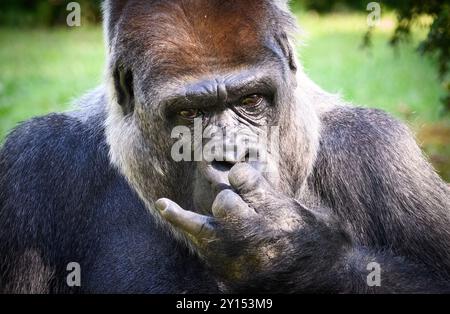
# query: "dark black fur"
[[80, 187], [62, 202]]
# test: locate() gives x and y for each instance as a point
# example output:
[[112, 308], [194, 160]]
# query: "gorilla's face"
[[219, 120], [197, 89]]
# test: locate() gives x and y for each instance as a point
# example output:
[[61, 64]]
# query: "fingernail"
[[161, 205]]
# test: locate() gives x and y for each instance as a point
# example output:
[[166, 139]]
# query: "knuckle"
[[262, 194], [239, 174], [252, 183], [223, 198]]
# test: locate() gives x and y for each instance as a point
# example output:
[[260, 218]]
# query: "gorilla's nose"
[[230, 158]]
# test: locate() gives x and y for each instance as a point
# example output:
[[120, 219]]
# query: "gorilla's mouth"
[[211, 179], [223, 166]]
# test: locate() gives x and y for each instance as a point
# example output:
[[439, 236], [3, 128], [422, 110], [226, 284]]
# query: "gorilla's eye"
[[189, 114], [251, 100]]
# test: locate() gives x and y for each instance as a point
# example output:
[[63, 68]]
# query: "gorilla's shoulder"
[[55, 139], [366, 149], [56, 153], [357, 130]]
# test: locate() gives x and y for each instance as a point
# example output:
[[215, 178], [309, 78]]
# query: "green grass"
[[400, 80], [44, 70]]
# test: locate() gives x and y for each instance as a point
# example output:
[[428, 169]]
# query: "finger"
[[195, 224], [247, 181], [228, 203]]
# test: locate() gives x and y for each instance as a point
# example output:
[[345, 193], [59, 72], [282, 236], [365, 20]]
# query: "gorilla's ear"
[[286, 25], [123, 84], [285, 45]]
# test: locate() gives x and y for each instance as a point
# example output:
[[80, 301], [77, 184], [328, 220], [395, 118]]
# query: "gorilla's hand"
[[257, 235]]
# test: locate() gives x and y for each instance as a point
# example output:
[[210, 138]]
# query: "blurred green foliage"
[[26, 13], [408, 13], [53, 12]]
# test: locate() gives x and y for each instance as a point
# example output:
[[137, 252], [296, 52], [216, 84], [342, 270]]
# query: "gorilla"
[[347, 189]]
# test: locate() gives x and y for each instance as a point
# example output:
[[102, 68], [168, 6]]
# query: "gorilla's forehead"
[[181, 36]]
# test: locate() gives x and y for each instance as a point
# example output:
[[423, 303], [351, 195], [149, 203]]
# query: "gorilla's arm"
[[387, 206], [261, 241], [53, 172], [373, 176]]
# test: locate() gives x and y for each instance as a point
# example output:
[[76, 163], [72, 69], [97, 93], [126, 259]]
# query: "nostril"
[[222, 165], [246, 157]]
